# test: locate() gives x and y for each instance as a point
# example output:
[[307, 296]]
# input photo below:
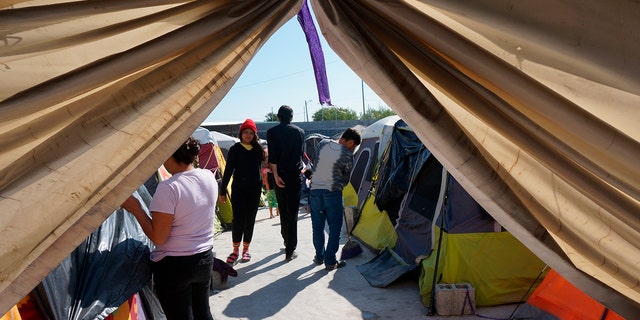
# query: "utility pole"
[[306, 111]]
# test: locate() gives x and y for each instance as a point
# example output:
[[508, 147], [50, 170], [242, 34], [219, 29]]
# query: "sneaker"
[[317, 261], [291, 256], [339, 264]]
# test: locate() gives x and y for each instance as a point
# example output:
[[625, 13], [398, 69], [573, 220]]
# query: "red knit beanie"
[[249, 124]]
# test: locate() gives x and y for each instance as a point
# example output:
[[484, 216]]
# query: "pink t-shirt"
[[191, 197]]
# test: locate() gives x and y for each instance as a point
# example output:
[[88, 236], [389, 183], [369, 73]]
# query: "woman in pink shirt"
[[181, 227]]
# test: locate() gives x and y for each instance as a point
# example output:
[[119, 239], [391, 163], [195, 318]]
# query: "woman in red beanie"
[[244, 164]]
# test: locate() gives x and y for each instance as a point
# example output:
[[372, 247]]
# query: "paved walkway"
[[268, 287]]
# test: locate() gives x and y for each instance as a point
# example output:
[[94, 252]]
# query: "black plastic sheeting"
[[407, 166], [104, 271], [400, 165], [414, 227]]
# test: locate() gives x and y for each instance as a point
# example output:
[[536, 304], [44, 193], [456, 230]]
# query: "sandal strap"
[[232, 257], [246, 257]]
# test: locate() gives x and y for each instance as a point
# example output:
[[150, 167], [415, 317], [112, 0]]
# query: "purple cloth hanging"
[[317, 57]]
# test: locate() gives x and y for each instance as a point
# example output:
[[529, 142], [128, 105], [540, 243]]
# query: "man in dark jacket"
[[286, 142]]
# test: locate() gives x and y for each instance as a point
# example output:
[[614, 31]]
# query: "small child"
[[305, 194], [269, 180]]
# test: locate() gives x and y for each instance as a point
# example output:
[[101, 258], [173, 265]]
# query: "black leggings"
[[244, 202]]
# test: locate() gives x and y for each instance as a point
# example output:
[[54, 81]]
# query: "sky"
[[282, 73]]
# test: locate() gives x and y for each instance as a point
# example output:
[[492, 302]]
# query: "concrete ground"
[[268, 287]]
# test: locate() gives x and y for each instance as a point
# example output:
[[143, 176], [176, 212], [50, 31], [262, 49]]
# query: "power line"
[[278, 78]]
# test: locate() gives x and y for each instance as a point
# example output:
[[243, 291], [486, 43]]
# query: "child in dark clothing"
[[243, 163]]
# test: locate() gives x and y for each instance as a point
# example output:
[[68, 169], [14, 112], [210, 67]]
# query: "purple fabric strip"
[[317, 57]]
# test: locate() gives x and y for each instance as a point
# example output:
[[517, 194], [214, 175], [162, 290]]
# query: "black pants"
[[244, 201], [182, 285], [289, 204]]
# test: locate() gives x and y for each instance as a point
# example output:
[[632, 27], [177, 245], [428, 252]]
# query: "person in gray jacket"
[[332, 165]]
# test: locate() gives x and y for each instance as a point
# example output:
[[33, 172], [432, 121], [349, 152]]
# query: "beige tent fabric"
[[531, 105], [536, 115], [94, 96]]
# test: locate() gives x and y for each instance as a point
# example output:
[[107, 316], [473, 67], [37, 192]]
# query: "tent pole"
[[432, 300], [524, 297]]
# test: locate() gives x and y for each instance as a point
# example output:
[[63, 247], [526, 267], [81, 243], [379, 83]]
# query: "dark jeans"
[[326, 207], [182, 285], [289, 204]]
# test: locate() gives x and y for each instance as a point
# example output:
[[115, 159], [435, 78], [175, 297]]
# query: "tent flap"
[[534, 115], [85, 124], [546, 147]]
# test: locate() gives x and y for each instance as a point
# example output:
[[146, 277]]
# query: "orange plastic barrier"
[[129, 310], [563, 300]]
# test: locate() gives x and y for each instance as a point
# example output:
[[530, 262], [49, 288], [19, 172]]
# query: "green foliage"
[[271, 117], [334, 113], [378, 113]]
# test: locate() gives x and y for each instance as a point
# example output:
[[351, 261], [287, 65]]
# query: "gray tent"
[[421, 199]]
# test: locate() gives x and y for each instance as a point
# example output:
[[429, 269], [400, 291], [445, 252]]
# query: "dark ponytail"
[[257, 147], [187, 152]]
